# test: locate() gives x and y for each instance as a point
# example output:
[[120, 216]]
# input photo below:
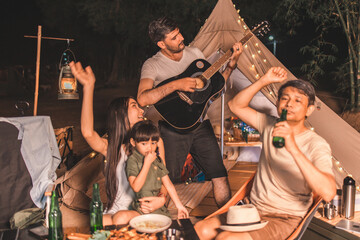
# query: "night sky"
[[22, 17], [18, 18]]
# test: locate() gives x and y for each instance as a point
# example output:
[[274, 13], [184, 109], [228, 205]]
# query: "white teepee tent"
[[224, 27]]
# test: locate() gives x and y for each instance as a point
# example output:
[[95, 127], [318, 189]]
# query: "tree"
[[116, 30], [329, 17]]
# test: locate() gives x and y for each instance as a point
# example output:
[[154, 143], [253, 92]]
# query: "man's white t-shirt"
[[159, 67], [279, 186]]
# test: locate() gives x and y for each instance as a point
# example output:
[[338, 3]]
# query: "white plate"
[[150, 223], [244, 228]]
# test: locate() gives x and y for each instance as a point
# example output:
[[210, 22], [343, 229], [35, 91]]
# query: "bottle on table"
[[55, 219], [279, 142], [348, 198], [96, 210]]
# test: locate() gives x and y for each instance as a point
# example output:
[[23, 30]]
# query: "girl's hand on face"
[[150, 157]]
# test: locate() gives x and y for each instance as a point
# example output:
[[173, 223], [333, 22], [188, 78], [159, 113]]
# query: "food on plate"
[[122, 234], [149, 224]]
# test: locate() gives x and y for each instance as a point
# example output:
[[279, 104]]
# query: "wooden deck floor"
[[238, 175]]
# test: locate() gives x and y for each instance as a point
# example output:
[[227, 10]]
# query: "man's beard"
[[179, 48]]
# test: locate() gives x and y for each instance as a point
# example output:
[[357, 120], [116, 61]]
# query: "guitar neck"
[[221, 61]]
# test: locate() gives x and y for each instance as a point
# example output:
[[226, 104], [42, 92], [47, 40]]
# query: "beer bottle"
[[96, 210], [55, 219], [279, 142]]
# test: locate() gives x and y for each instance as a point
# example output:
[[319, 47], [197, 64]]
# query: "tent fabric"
[[221, 30], [76, 184]]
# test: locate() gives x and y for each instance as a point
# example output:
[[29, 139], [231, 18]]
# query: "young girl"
[[123, 113], [146, 171]]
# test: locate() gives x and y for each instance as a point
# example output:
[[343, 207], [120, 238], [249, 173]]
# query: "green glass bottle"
[[96, 210], [279, 142], [55, 219]]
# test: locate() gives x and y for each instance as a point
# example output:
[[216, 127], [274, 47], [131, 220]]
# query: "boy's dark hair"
[[144, 131], [303, 86], [160, 27]]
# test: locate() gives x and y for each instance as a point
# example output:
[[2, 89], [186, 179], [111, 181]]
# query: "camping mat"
[[192, 194]]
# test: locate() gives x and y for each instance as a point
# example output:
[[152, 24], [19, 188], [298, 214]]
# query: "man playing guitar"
[[172, 59]]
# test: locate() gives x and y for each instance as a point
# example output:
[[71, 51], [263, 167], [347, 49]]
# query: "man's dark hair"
[[303, 86], [160, 27]]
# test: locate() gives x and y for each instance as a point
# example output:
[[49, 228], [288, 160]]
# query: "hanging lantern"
[[67, 81]]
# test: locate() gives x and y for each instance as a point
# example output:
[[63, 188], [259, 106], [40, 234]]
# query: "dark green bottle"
[[55, 219], [96, 210], [279, 142]]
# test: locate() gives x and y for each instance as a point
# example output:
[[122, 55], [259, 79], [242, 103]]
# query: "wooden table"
[[183, 225], [242, 144]]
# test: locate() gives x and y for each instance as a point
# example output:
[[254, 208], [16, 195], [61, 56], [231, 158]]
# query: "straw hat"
[[243, 218]]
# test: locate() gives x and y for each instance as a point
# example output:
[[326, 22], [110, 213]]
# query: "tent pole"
[[37, 70], [222, 124]]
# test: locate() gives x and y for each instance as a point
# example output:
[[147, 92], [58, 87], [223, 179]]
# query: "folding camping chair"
[[64, 138], [245, 191]]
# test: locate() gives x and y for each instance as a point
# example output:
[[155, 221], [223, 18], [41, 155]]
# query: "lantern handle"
[[62, 55]]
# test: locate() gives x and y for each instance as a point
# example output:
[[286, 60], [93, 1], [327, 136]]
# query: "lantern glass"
[[67, 81]]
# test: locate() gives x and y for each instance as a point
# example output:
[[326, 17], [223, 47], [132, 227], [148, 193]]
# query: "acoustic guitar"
[[184, 111]]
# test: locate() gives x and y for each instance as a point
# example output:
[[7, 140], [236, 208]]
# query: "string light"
[[257, 44], [253, 55], [259, 51], [239, 21], [246, 46], [342, 170], [92, 154], [257, 76], [264, 60]]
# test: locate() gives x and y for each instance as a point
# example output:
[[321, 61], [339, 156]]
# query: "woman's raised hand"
[[85, 76]]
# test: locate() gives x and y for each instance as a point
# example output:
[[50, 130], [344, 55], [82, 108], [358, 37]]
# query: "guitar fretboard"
[[221, 61]]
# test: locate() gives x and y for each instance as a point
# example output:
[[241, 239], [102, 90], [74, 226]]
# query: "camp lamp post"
[[39, 37]]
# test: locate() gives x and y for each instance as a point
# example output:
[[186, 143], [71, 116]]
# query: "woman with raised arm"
[[123, 113]]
